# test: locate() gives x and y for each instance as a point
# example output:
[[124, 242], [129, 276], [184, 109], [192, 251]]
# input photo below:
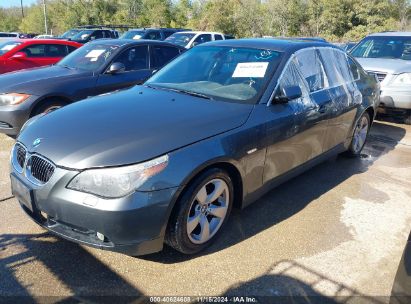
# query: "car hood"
[[390, 66], [31, 81], [129, 126]]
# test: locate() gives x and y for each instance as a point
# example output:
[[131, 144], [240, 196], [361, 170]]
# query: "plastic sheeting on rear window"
[[343, 89], [292, 77]]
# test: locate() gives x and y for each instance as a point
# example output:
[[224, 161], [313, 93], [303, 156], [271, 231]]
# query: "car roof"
[[404, 34], [275, 44], [123, 42]]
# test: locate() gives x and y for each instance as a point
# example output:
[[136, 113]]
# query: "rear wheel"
[[201, 212], [360, 135]]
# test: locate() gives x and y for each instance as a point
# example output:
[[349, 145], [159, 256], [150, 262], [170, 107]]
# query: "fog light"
[[101, 236]]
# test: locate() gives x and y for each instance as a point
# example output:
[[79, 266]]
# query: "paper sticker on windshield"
[[137, 36], [95, 53], [250, 69]]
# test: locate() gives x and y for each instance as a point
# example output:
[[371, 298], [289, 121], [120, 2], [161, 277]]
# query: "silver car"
[[388, 56]]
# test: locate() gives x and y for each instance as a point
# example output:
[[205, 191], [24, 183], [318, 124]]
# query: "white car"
[[190, 39], [388, 56], [43, 36]]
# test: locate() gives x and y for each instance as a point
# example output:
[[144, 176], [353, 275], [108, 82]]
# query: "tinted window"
[[203, 38], [168, 33], [163, 55], [135, 58], [35, 51], [312, 69], [218, 37], [97, 35], [153, 35], [224, 73], [56, 50], [71, 48], [384, 47]]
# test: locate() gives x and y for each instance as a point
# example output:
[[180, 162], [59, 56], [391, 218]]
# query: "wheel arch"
[[40, 102]]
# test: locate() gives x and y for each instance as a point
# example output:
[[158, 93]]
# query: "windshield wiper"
[[191, 93]]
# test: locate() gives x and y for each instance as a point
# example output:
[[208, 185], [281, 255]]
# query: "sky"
[[8, 3]]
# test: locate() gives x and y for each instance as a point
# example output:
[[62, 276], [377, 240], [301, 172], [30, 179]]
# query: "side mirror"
[[19, 55], [116, 67], [289, 93]]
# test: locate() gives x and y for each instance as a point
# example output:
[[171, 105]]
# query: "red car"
[[16, 54]]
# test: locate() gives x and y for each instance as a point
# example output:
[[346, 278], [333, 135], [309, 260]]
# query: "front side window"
[[291, 77], [221, 73], [354, 68], [312, 69], [89, 57], [384, 47], [135, 58], [336, 67], [8, 46], [35, 51]]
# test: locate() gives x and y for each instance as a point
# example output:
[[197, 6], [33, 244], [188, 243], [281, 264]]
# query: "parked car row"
[[166, 161]]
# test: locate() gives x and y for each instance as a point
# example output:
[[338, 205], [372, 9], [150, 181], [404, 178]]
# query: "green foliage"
[[331, 19]]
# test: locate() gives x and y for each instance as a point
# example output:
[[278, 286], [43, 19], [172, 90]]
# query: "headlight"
[[117, 182], [402, 79], [12, 99]]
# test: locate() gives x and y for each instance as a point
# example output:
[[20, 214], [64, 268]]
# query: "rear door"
[[54, 53], [136, 60], [344, 94]]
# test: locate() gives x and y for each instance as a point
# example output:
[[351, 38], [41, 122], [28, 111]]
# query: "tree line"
[[335, 20]]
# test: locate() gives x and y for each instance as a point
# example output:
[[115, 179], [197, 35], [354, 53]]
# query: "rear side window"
[[312, 69], [163, 54], [218, 37], [354, 69], [35, 51], [336, 66], [97, 35], [135, 58], [71, 48], [56, 50]]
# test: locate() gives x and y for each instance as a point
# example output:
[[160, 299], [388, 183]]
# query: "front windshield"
[[83, 35], [70, 33], [219, 72], [7, 46], [180, 39], [132, 35], [89, 57], [384, 47]]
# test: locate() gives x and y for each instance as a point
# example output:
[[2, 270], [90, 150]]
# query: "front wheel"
[[360, 135], [201, 212]]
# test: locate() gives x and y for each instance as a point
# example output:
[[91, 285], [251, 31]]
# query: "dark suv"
[[150, 33]]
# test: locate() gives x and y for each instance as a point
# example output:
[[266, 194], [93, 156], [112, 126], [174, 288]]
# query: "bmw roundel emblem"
[[36, 142]]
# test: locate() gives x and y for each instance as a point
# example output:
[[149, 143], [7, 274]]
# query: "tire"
[[189, 209], [360, 135], [48, 105]]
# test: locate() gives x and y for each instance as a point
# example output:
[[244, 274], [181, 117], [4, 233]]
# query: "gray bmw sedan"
[[214, 129]]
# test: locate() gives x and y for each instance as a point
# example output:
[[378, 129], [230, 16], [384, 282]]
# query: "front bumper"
[[12, 118], [398, 98], [133, 225]]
